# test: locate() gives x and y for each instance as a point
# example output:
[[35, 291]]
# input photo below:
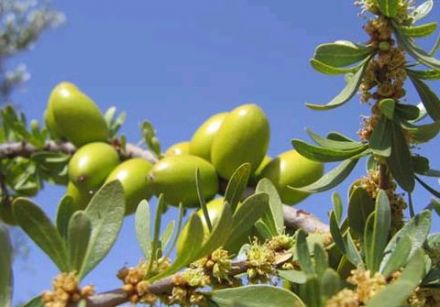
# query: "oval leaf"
[[341, 53], [360, 207], [78, 237], [237, 185], [324, 154], [388, 7], [142, 225], [429, 99], [420, 31]]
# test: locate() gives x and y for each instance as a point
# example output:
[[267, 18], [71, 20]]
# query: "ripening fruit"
[[91, 164], [80, 198], [133, 176], [178, 149], [175, 178], [201, 142], [72, 114], [243, 137], [292, 169]]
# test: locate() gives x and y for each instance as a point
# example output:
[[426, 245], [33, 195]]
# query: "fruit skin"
[[201, 142], [91, 164], [75, 116], [243, 137], [178, 149], [132, 174], [292, 169], [175, 178], [80, 198]]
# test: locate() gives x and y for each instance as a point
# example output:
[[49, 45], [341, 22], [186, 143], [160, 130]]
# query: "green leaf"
[[422, 10], [320, 259], [346, 94], [274, 216], [387, 106], [337, 136], [423, 133], [5, 267], [167, 234], [65, 211], [337, 207], [331, 179], [330, 70], [150, 138], [429, 99], [142, 224], [256, 296], [323, 154], [106, 213], [407, 111], [416, 52], [202, 200], [419, 31], [416, 229], [380, 141], [303, 254], [398, 292], [237, 185], [376, 231], [311, 292], [341, 53], [361, 205], [333, 144], [388, 7], [40, 229], [156, 248], [398, 257], [78, 237], [400, 161], [352, 253], [35, 302], [330, 283], [294, 276], [432, 74], [428, 188], [336, 233]]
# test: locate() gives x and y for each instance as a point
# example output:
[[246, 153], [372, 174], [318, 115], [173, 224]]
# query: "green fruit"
[[201, 142], [80, 198], [178, 149], [292, 169], [75, 116], [175, 178], [243, 137], [133, 176], [91, 164]]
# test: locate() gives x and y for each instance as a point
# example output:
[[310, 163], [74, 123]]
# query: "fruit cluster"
[[218, 147]]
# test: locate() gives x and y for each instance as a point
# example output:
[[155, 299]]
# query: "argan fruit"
[[175, 177], [133, 176], [292, 169], [80, 198], [243, 137], [91, 164], [76, 116], [178, 149], [201, 142]]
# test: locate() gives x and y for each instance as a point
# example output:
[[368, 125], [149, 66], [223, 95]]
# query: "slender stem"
[[384, 179]]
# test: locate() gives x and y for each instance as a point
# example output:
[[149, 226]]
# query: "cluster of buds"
[[261, 262], [366, 287], [218, 265], [185, 287], [371, 184], [425, 297], [66, 290], [135, 285], [281, 243], [404, 9]]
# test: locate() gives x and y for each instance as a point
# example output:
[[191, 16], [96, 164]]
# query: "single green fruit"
[[175, 177], [133, 176], [178, 149], [80, 198], [256, 176], [72, 114], [201, 142], [292, 169], [91, 164], [243, 137]]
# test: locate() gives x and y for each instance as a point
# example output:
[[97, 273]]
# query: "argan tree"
[[238, 239]]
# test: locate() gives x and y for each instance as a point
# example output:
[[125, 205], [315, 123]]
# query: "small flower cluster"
[[261, 262], [185, 288], [66, 290], [404, 9], [218, 265], [397, 204], [135, 285], [425, 297], [366, 287]]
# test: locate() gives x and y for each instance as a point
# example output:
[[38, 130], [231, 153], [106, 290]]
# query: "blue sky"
[[176, 63]]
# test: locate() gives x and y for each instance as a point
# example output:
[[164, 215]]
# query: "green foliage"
[[5, 267]]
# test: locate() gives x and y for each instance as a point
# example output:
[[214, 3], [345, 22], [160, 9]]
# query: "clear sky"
[[176, 63]]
